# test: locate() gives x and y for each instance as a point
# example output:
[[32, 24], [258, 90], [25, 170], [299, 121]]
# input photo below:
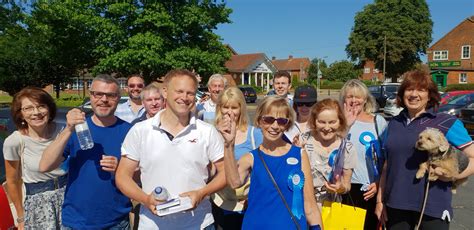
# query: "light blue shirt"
[[124, 111]]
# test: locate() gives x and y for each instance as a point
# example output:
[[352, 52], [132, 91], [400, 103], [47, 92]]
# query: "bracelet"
[[20, 219]]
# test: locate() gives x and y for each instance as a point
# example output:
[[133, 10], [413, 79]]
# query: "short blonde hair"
[[233, 94], [360, 89], [279, 105]]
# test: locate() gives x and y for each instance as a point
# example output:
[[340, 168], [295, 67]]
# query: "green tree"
[[406, 27], [342, 71], [313, 69]]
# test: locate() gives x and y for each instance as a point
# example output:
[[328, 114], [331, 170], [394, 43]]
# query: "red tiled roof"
[[467, 20], [292, 64], [238, 63]]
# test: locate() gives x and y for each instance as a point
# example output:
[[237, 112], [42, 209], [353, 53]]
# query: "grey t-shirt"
[[32, 152]]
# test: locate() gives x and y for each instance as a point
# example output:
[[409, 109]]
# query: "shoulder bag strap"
[[278, 189], [377, 131], [252, 139]]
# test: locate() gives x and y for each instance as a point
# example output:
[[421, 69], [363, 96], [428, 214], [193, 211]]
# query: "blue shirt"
[[247, 146], [265, 209], [402, 189], [124, 111], [92, 200]]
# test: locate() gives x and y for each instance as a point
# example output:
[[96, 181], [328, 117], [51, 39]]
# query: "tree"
[[405, 25], [313, 69], [342, 71]]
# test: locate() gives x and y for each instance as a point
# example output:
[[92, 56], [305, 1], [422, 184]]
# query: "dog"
[[442, 156]]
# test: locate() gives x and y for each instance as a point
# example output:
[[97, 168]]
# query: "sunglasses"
[[135, 85], [307, 104], [270, 120]]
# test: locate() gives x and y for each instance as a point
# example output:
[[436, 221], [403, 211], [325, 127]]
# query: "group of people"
[[273, 172]]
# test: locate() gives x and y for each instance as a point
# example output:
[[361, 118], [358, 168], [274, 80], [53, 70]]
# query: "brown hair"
[[327, 104], [135, 75], [35, 94], [419, 79], [282, 73], [278, 104], [179, 72]]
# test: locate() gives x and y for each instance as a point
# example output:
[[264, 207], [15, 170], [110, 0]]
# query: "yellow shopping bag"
[[338, 216]]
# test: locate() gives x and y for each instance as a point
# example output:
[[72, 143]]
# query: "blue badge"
[[295, 183], [369, 141]]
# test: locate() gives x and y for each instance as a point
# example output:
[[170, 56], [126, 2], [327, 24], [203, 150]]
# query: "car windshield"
[[391, 88], [461, 99]]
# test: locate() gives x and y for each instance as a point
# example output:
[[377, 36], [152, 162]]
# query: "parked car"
[[454, 106], [382, 92], [448, 96], [467, 117], [391, 108], [87, 103], [249, 93]]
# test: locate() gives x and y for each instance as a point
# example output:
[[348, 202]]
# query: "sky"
[[314, 28]]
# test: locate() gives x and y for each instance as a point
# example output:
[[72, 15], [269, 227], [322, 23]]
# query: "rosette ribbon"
[[295, 183], [368, 140]]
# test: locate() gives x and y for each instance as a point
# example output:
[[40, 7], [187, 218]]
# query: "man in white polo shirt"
[[174, 150]]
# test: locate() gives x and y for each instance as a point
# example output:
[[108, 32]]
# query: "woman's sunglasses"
[[280, 120]]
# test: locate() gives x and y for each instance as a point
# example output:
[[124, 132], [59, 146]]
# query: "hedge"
[[454, 87]]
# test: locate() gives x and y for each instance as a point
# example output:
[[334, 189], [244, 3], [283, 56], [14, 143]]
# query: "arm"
[[311, 209], [14, 186], [53, 154], [380, 207], [342, 185], [469, 151], [126, 184]]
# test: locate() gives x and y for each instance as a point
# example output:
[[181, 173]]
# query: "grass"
[[65, 100]]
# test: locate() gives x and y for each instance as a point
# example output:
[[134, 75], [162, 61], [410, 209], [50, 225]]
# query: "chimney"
[[290, 57], [273, 58]]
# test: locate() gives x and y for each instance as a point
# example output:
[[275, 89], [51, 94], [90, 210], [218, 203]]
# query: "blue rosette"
[[368, 140], [295, 183]]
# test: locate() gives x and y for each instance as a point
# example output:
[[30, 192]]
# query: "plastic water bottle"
[[161, 193], [84, 136]]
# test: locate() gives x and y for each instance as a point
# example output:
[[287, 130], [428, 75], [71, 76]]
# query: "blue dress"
[[265, 209]]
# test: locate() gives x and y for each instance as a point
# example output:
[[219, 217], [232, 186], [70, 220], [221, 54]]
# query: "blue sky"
[[314, 28]]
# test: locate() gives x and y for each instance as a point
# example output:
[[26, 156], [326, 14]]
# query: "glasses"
[[99, 95], [307, 104], [270, 120], [140, 85], [31, 109]]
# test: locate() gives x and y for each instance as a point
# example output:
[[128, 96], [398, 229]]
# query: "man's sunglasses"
[[280, 121], [307, 104], [135, 85]]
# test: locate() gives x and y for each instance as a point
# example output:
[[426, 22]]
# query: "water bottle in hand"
[[84, 136], [161, 193]]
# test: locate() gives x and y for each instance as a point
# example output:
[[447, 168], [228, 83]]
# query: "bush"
[[331, 84], [257, 89], [69, 101], [455, 87]]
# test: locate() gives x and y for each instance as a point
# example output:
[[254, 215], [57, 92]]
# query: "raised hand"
[[227, 127], [73, 117]]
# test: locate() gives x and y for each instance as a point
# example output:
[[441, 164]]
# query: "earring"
[[23, 123]]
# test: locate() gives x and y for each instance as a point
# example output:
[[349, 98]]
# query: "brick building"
[[450, 58], [295, 66], [251, 69], [371, 73]]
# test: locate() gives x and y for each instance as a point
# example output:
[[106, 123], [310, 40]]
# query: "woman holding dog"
[[401, 194], [365, 132]]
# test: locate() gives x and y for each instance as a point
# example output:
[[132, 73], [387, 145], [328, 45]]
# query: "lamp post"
[[319, 75]]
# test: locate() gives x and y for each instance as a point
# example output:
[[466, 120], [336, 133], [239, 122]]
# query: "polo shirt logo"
[[193, 140]]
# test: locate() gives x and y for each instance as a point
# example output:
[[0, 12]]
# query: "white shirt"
[[207, 111], [179, 165]]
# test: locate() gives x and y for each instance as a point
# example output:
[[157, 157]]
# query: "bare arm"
[[469, 151], [53, 154], [236, 173], [341, 185], [380, 207], [14, 185], [311, 209]]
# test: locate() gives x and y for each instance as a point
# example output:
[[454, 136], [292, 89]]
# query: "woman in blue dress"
[[281, 192]]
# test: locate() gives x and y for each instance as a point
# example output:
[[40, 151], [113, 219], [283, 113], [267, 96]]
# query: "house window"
[[466, 52], [440, 55], [366, 70], [122, 83], [376, 71], [463, 78]]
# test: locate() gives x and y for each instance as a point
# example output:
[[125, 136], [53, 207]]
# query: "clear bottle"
[[161, 193], [84, 136]]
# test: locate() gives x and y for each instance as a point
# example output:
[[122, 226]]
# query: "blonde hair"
[[233, 94], [360, 89], [279, 105]]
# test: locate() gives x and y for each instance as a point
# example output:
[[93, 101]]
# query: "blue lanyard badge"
[[370, 143]]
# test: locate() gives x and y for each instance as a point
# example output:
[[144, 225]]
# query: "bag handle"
[[377, 130], [278, 189]]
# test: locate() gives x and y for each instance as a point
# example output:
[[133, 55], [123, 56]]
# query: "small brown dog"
[[450, 161]]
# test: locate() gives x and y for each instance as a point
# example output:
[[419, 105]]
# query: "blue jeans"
[[122, 225]]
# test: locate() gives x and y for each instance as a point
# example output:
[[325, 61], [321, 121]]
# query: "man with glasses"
[[133, 107], [173, 150], [92, 201]]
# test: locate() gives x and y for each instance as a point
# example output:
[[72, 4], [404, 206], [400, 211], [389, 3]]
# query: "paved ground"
[[463, 201]]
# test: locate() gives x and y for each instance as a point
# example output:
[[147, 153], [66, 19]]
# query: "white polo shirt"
[[179, 165]]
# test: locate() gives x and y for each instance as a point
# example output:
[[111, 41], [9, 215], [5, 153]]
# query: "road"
[[463, 201]]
